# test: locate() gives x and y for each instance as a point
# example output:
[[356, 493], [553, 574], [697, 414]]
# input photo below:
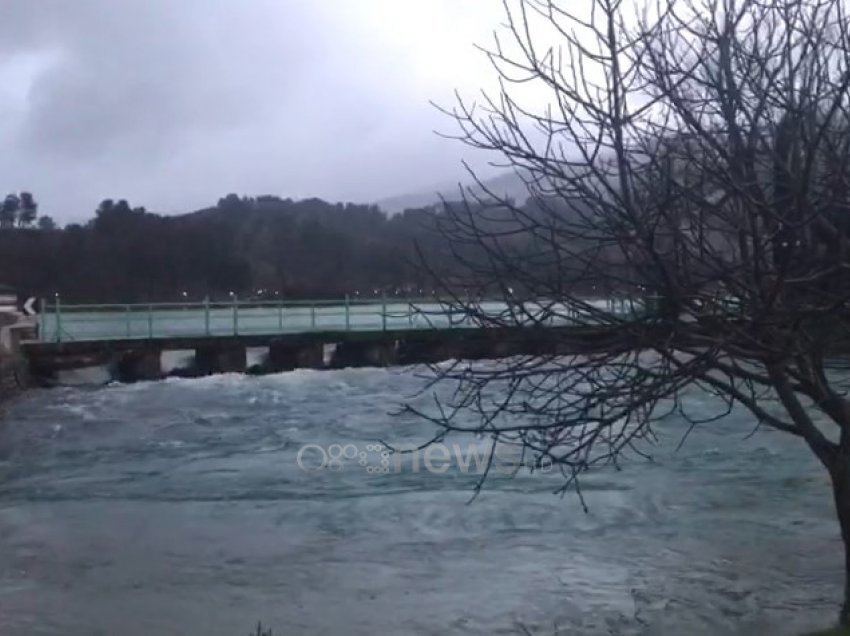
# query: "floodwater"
[[179, 507]]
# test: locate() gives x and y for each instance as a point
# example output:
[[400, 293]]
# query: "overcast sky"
[[174, 103]]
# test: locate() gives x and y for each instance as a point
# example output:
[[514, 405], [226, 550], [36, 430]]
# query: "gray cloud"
[[174, 103]]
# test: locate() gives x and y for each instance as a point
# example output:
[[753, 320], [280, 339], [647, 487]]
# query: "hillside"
[[263, 246], [507, 185], [287, 248]]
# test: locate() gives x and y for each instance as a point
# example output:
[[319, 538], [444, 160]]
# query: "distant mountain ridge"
[[508, 185]]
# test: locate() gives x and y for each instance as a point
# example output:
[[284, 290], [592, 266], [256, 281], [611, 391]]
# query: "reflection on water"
[[177, 507]]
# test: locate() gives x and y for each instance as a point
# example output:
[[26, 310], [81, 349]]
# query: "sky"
[[172, 104]]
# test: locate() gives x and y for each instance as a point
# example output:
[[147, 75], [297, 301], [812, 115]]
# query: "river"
[[179, 507]]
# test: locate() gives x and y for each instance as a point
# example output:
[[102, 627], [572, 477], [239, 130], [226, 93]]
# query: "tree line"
[[262, 246], [21, 210]]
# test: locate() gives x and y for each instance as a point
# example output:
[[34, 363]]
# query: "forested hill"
[[286, 248]]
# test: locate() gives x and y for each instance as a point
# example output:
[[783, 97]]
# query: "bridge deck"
[[63, 323], [40, 348]]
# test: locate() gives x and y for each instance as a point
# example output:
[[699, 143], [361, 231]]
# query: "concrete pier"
[[475, 346], [422, 351], [428, 351], [139, 365], [287, 356], [221, 357], [381, 353], [14, 367], [14, 375]]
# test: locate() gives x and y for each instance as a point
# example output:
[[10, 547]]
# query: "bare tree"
[[694, 152]]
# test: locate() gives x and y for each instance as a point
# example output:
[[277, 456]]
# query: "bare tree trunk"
[[839, 472]]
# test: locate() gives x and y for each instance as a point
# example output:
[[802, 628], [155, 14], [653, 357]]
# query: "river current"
[[179, 507]]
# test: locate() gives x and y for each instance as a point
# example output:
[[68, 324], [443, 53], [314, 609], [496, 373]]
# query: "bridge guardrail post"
[[128, 319], [150, 322], [312, 315], [384, 311], [280, 316], [347, 313], [235, 315], [42, 319], [207, 315], [58, 308]]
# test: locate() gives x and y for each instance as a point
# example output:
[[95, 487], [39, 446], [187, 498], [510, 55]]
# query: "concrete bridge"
[[303, 334]]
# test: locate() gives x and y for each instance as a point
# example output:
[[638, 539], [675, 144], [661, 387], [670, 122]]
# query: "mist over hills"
[[507, 185]]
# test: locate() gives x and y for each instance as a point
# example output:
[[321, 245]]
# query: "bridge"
[[131, 338]]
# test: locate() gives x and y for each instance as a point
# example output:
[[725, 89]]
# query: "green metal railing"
[[61, 322]]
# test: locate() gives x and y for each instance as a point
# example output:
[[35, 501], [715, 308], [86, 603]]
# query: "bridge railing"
[[62, 323]]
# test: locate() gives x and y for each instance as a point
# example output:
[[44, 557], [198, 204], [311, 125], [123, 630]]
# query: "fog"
[[174, 104]]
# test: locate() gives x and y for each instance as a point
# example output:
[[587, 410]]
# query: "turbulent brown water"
[[178, 507]]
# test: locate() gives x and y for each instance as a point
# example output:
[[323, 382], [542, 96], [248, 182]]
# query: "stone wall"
[[14, 370], [13, 376]]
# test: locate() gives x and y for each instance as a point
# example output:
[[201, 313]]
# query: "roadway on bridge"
[[72, 323]]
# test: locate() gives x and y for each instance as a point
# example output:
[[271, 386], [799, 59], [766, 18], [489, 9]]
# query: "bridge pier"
[[364, 354], [425, 351], [221, 358], [134, 359], [140, 365], [430, 351], [474, 348], [507, 348], [286, 356]]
